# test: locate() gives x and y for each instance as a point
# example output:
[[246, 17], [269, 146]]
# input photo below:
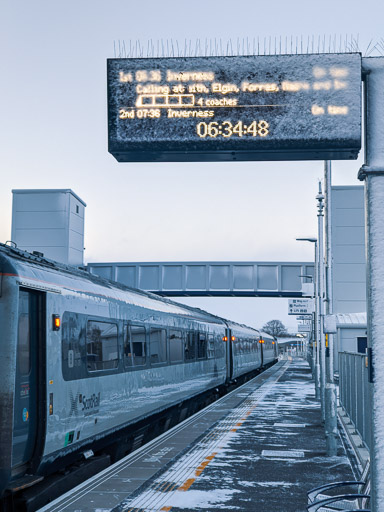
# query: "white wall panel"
[[51, 222]]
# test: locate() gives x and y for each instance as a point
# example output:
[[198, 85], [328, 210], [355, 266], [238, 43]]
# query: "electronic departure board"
[[286, 107]]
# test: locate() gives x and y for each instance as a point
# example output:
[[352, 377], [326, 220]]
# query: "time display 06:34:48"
[[228, 129]]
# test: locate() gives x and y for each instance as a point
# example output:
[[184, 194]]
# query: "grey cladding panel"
[[46, 221], [349, 306], [43, 220], [40, 238], [349, 235], [77, 207], [348, 197], [126, 275], [267, 277], [349, 254], [75, 256], [149, 277], [105, 272], [40, 202], [309, 271], [348, 272], [348, 338], [347, 291], [196, 277], [77, 224], [243, 277], [75, 240], [219, 277], [350, 217], [173, 277], [348, 240], [290, 277]]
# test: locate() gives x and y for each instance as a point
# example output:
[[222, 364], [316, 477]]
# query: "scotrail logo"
[[90, 404]]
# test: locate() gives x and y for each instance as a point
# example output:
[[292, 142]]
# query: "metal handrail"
[[313, 507]]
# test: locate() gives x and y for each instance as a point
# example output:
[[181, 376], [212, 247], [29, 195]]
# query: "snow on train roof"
[[36, 267], [93, 284]]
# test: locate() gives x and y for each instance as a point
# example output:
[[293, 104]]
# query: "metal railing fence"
[[354, 392]]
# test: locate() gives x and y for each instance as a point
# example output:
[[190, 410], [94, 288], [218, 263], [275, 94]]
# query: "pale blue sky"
[[54, 134]]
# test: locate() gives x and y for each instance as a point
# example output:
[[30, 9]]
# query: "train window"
[[202, 346], [158, 344], [176, 346], [24, 340], [139, 352], [190, 346], [73, 329], [128, 352], [211, 346], [219, 346], [102, 346]]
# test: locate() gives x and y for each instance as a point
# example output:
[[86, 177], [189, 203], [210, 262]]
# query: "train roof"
[[25, 259]]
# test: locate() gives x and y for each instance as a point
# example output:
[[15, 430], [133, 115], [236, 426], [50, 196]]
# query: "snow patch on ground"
[[196, 500]]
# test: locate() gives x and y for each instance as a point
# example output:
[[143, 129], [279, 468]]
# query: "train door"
[[229, 350], [26, 406], [261, 341]]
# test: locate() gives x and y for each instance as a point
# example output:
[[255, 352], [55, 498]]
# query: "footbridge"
[[211, 278]]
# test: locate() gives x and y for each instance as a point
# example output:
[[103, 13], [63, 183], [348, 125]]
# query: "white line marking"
[[284, 454]]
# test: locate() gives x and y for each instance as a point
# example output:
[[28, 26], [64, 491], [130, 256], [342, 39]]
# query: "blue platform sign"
[[286, 107]]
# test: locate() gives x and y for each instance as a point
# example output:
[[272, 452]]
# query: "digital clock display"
[[288, 107]]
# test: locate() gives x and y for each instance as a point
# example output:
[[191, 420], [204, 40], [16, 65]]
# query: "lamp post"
[[320, 263], [316, 353]]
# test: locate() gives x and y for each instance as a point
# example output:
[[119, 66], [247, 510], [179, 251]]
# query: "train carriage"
[[83, 358], [246, 350]]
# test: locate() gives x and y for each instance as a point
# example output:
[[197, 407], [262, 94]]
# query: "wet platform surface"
[[260, 448]]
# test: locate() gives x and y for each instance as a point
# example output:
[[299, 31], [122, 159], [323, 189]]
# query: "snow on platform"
[[260, 448]]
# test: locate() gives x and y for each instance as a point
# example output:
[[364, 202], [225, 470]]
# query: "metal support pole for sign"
[[317, 328], [320, 261], [315, 317], [373, 174], [313, 334], [331, 432]]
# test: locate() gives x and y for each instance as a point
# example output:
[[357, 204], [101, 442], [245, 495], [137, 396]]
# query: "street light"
[[307, 239], [315, 353]]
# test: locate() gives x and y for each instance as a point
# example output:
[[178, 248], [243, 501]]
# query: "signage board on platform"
[[300, 306], [277, 107], [304, 328]]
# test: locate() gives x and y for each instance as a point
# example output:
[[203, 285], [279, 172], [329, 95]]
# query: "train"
[[83, 360]]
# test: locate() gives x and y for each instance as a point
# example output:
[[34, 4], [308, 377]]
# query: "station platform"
[[259, 448]]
